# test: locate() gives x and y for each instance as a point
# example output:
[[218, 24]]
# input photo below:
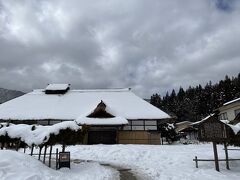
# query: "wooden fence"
[[42, 156], [197, 160]]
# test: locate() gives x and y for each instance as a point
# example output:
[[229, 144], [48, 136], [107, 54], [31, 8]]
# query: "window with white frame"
[[141, 125]]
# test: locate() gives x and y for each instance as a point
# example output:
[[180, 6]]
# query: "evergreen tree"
[[197, 102]]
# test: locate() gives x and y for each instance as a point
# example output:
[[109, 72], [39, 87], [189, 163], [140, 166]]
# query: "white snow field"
[[148, 162], [167, 162], [18, 166]]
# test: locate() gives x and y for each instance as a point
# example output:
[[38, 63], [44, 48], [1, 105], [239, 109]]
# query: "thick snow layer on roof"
[[230, 102], [38, 136], [57, 87], [101, 121], [225, 121], [204, 119], [37, 105], [235, 128], [183, 122]]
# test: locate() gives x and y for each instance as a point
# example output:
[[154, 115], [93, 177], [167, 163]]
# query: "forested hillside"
[[6, 94], [197, 102]]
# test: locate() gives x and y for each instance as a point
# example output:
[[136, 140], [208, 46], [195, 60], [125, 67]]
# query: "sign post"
[[64, 159], [215, 156], [226, 154], [215, 131]]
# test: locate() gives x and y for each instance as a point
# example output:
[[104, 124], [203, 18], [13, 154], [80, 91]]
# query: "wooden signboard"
[[64, 159], [213, 130]]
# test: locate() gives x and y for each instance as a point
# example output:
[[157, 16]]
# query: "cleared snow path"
[[124, 173]]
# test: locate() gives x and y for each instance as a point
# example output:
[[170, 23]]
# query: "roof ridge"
[[232, 101], [92, 90]]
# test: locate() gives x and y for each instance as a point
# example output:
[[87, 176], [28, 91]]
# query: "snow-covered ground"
[[18, 166], [168, 162]]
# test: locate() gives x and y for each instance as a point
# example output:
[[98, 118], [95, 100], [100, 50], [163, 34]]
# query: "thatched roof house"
[[98, 107]]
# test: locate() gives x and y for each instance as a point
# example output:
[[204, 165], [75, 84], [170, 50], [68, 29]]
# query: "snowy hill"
[[6, 94]]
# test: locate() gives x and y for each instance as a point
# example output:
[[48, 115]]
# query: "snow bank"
[[36, 134], [19, 166], [101, 121]]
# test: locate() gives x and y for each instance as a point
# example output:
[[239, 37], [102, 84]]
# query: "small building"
[[113, 115], [186, 130], [229, 110], [182, 125]]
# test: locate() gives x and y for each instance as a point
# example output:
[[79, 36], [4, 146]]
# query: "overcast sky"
[[149, 45]]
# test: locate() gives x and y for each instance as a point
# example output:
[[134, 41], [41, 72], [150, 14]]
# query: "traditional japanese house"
[[113, 115]]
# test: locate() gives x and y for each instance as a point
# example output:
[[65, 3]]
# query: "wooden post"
[[40, 151], [32, 150], [63, 147], [117, 136], [215, 156], [196, 160], [50, 155], [57, 158], [17, 145], [44, 156], [226, 153], [24, 150]]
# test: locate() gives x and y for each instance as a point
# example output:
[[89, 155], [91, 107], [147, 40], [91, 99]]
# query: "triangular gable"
[[100, 112]]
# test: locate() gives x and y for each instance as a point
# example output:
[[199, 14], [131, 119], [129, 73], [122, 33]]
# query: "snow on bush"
[[36, 134]]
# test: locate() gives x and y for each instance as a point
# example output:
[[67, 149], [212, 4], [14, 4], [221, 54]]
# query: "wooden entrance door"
[[102, 137]]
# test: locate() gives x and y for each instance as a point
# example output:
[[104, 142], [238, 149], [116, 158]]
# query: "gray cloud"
[[149, 46]]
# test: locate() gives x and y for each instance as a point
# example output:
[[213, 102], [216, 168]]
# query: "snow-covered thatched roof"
[[37, 105]]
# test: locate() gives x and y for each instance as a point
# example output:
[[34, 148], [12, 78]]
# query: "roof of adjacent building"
[[230, 102], [37, 105]]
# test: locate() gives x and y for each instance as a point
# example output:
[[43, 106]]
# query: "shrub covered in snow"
[[168, 131], [66, 133]]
